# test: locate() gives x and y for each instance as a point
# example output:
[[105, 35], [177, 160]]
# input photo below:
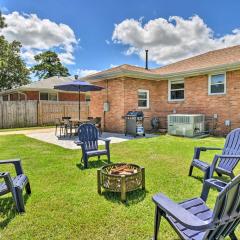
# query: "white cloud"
[[107, 42], [85, 72], [169, 40], [37, 35]]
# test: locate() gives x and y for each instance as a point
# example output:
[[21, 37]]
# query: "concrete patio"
[[49, 137]]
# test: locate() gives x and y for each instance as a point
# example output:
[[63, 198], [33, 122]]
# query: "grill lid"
[[135, 114]]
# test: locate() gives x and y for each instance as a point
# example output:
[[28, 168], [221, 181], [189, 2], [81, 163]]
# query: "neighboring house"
[[208, 84], [42, 90]]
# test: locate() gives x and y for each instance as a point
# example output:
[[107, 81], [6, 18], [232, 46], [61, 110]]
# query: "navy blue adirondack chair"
[[193, 219], [15, 185], [88, 140], [222, 164]]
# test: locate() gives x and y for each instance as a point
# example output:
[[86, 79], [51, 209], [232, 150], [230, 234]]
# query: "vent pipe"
[[146, 66]]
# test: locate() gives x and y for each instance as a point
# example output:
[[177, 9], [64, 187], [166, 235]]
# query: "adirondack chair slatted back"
[[226, 213], [231, 147], [88, 134]]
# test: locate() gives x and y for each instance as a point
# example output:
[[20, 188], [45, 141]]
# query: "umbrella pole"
[[79, 104]]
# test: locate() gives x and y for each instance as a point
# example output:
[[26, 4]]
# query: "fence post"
[[39, 112]]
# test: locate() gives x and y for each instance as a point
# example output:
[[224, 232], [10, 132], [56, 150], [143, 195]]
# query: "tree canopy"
[[49, 65], [13, 70], [2, 21]]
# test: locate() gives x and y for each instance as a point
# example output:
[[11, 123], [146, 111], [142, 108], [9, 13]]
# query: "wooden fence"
[[37, 113]]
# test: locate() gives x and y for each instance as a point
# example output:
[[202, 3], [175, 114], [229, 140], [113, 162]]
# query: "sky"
[[94, 35]]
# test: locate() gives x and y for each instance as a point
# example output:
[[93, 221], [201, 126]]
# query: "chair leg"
[[108, 157], [85, 159], [233, 236], [190, 170], [205, 191], [28, 188], [157, 221], [20, 200]]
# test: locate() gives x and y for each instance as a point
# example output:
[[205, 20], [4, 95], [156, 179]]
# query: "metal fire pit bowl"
[[131, 178]]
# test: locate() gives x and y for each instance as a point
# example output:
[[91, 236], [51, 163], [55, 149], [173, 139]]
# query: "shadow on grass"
[[133, 197], [8, 210], [93, 164]]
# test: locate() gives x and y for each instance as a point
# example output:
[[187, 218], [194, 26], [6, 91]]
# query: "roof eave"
[[158, 77]]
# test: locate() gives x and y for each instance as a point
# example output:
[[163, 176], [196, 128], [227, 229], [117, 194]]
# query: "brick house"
[[207, 84], [42, 90]]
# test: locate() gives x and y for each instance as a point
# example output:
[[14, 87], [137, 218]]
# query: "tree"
[[49, 65], [2, 21], [13, 70]]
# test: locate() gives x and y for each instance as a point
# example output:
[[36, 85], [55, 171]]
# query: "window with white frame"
[[217, 84], [176, 90], [143, 98], [48, 96]]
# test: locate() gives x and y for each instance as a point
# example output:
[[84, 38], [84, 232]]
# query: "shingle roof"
[[207, 60], [47, 83]]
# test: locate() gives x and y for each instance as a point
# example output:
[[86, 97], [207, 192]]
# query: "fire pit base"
[[121, 177]]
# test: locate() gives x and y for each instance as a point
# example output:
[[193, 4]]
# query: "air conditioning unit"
[[188, 125]]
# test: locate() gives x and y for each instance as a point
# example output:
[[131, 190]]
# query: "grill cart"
[[134, 123]]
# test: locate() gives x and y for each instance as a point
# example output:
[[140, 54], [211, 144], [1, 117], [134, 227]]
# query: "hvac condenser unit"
[[188, 125]]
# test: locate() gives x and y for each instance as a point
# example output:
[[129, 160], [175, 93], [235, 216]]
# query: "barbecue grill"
[[134, 123]]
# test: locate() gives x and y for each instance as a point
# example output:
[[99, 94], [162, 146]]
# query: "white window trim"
[[209, 83], [169, 90], [48, 95], [147, 91]]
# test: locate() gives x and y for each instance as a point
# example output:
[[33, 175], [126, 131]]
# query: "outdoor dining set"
[[191, 219], [67, 127]]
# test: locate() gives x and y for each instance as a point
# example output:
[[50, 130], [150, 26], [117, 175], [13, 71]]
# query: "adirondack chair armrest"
[[174, 210], [17, 164], [104, 139], [204, 149], [79, 143]]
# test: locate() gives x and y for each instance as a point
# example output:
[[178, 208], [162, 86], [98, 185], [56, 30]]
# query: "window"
[[48, 96], [5, 97], [52, 96], [217, 84], [143, 98], [176, 90]]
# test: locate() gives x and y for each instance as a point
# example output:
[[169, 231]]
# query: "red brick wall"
[[62, 96], [34, 95], [114, 94], [123, 97]]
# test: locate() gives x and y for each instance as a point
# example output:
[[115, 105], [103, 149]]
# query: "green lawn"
[[65, 205]]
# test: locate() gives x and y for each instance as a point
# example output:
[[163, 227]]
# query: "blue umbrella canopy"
[[78, 86]]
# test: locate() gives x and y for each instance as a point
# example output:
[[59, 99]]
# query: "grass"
[[26, 128], [65, 205]]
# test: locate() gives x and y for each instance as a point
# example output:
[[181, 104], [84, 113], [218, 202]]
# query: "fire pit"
[[121, 177]]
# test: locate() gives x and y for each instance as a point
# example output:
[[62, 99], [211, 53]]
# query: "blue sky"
[[93, 22]]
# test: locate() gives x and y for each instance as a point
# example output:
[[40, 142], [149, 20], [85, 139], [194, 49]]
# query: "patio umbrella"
[[78, 86]]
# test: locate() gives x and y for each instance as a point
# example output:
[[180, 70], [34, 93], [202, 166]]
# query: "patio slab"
[[68, 143]]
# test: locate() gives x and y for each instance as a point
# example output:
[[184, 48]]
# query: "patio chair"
[[193, 219], [88, 140], [222, 164], [97, 122], [16, 184], [59, 124], [67, 127]]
